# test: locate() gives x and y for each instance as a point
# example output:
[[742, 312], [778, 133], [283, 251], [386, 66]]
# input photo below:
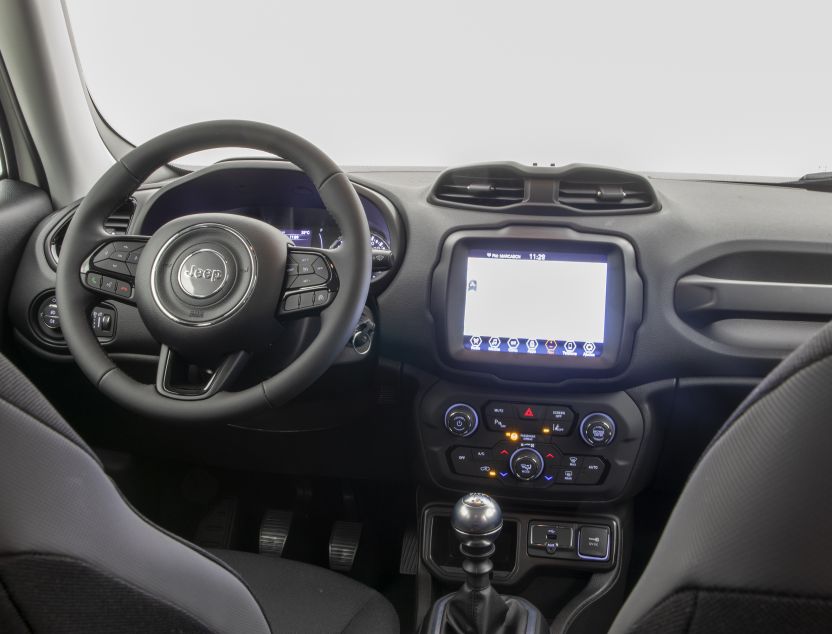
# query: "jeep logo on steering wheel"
[[203, 273]]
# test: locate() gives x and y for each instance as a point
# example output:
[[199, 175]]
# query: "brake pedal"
[[216, 529], [343, 545], [274, 531]]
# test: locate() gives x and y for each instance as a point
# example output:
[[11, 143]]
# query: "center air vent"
[[481, 187], [591, 191]]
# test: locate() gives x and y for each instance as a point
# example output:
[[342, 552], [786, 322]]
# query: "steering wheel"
[[212, 288]]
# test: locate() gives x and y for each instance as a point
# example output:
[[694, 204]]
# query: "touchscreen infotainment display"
[[539, 303]]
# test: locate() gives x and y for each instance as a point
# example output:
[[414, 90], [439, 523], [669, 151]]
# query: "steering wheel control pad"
[[209, 284]]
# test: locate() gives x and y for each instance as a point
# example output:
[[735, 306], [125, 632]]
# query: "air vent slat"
[[481, 187], [117, 222], [601, 195]]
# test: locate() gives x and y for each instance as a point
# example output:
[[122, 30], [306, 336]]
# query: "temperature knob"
[[461, 420], [526, 464]]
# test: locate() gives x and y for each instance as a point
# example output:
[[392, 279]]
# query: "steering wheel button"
[[114, 266], [291, 268], [121, 256], [292, 302], [305, 269], [103, 253], [108, 284], [124, 289], [133, 258], [307, 300], [307, 280], [94, 280], [319, 266], [303, 258], [321, 297]]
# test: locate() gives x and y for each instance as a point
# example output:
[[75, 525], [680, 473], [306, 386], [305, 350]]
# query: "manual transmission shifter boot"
[[476, 608]]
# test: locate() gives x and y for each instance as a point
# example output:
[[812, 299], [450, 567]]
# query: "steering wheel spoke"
[[110, 269], [179, 379], [310, 282]]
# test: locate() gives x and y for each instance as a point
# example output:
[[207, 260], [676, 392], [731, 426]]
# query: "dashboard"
[[529, 320]]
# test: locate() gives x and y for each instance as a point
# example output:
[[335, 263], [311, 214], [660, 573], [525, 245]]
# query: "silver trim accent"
[[224, 274], [249, 291]]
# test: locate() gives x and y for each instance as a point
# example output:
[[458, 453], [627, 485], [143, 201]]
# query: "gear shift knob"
[[477, 521]]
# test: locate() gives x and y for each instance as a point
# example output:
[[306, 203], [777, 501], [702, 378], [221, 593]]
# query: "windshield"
[[711, 87]]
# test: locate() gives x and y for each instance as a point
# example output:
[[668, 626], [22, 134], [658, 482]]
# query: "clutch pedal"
[[274, 531], [343, 545]]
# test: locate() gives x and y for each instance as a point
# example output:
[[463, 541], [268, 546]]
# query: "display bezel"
[[622, 310]]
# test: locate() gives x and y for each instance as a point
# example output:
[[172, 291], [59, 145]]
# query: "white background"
[[559, 300], [733, 87]]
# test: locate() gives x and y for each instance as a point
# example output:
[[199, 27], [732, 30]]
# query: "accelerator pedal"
[[343, 545], [274, 531], [409, 560]]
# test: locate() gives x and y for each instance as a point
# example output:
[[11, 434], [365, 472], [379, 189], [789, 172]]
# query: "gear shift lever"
[[477, 521], [477, 608]]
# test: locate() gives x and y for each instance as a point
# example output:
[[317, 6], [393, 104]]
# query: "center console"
[[518, 311], [533, 306]]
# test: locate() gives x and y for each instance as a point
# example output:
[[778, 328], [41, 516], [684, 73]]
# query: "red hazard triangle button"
[[528, 412]]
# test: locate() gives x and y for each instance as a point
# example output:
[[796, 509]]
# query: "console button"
[[567, 476], [592, 471], [559, 420], [461, 419], [481, 454], [528, 412], [496, 422], [594, 542], [573, 462], [460, 458], [597, 430], [499, 409]]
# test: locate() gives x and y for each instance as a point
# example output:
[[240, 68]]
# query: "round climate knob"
[[461, 420], [526, 464], [597, 430]]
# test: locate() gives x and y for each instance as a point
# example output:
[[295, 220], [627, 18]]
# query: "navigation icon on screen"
[[531, 344], [472, 285], [570, 346], [475, 342], [494, 343], [589, 348], [551, 345], [513, 343]]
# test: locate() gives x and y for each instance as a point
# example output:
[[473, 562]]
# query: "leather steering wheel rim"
[[352, 260]]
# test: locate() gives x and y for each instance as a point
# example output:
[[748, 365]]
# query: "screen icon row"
[[533, 345]]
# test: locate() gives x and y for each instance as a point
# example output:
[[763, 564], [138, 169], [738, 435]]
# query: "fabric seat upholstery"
[[75, 556]]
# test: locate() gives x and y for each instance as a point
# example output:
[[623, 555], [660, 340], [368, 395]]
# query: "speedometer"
[[377, 242]]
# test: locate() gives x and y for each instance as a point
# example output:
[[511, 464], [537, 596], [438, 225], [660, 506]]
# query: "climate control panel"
[[571, 447]]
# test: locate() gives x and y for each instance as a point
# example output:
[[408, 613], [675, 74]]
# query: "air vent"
[[605, 195], [117, 222], [481, 187]]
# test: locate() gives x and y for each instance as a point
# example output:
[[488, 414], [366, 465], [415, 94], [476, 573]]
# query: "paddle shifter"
[[477, 608]]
